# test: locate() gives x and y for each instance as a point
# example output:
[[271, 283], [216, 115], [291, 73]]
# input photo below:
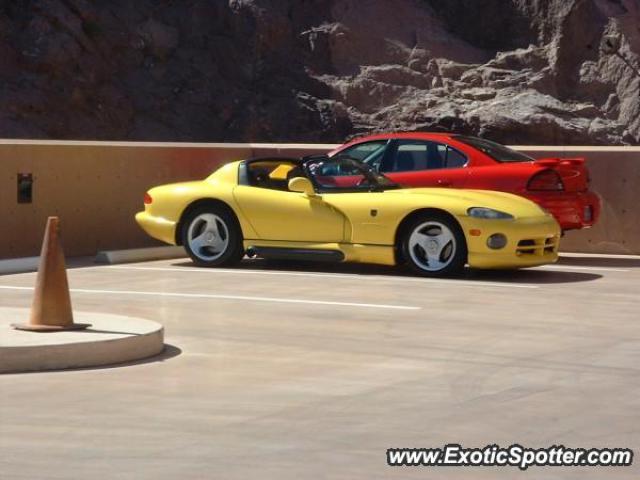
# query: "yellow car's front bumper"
[[158, 227], [530, 242]]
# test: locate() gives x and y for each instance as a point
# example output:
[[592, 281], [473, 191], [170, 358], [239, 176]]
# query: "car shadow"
[[524, 276], [612, 262], [531, 277]]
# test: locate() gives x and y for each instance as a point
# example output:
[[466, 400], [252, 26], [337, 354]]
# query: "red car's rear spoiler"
[[555, 162]]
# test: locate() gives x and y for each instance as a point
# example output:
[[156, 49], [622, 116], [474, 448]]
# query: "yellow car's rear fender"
[[201, 203], [172, 203]]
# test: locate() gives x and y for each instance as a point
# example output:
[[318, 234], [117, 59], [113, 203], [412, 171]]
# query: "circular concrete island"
[[109, 340]]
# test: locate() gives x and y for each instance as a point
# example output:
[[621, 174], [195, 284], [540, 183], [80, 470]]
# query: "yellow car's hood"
[[505, 202]]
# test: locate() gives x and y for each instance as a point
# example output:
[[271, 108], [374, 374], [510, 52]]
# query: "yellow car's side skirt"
[[378, 254]]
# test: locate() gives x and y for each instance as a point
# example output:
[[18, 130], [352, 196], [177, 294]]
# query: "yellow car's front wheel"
[[212, 237], [434, 245]]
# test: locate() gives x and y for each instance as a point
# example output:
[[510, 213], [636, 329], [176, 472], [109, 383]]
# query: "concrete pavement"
[[297, 371]]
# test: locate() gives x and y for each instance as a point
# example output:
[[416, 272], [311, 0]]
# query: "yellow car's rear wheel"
[[434, 245], [212, 237]]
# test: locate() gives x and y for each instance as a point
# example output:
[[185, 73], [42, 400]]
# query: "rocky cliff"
[[517, 71]]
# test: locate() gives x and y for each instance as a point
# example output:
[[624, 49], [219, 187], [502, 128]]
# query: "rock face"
[[516, 71]]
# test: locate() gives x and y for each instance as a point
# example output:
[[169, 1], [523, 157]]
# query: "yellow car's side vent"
[[280, 253]]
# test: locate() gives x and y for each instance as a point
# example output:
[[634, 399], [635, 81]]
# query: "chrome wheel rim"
[[432, 246], [208, 237]]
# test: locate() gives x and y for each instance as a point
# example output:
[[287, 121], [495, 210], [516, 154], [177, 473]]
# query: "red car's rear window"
[[498, 152]]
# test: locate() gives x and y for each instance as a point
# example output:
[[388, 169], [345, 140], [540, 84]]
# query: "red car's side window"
[[415, 155], [455, 159]]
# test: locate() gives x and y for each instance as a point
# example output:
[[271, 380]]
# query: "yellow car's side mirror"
[[302, 185]]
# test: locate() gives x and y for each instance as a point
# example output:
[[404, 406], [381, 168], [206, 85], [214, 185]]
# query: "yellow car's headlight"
[[488, 213]]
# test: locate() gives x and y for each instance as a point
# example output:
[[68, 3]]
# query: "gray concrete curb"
[[112, 257], [19, 265], [109, 257]]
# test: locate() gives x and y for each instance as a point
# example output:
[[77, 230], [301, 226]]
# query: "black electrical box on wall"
[[25, 187]]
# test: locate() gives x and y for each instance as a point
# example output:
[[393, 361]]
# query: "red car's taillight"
[[147, 199], [546, 180]]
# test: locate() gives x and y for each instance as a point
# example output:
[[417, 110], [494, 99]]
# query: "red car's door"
[[425, 163]]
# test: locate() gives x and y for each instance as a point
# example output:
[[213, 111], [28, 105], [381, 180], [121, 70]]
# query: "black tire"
[[453, 254], [228, 232]]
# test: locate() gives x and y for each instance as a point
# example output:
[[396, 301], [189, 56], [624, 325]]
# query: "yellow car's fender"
[[171, 203]]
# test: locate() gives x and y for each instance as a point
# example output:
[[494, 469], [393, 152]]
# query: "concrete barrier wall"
[[96, 187]]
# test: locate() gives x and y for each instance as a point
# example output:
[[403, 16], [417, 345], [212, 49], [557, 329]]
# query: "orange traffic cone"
[[51, 309]]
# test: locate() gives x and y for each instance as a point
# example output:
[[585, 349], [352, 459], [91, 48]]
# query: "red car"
[[560, 185]]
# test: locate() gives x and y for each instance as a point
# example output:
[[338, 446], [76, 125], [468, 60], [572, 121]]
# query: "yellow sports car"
[[341, 210]]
